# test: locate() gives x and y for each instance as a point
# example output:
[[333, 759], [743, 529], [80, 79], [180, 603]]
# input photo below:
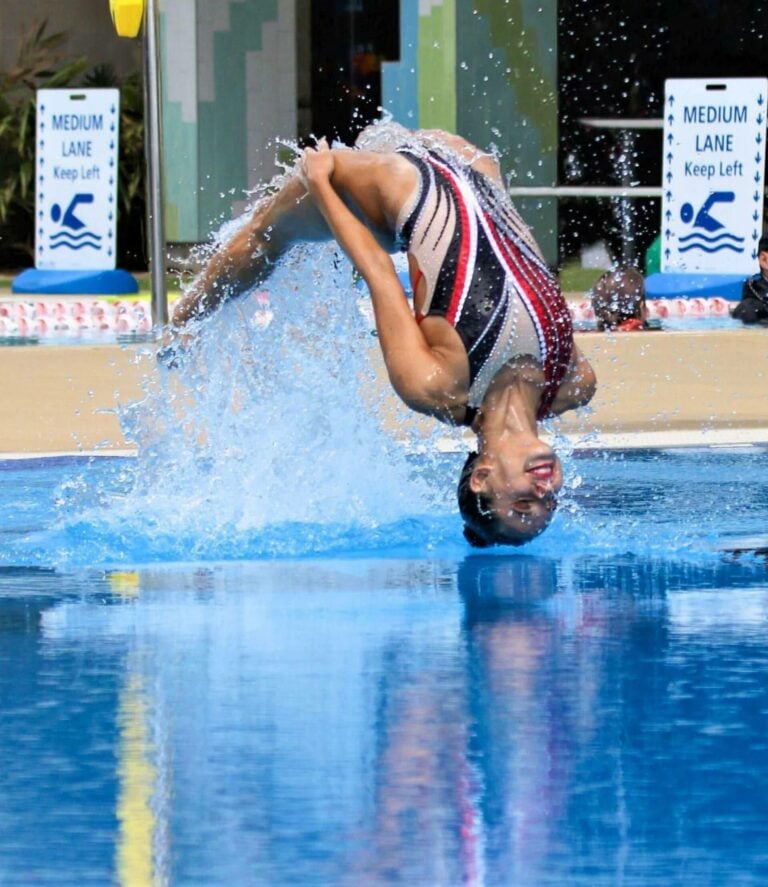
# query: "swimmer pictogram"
[[713, 174], [75, 181], [704, 220], [70, 222]]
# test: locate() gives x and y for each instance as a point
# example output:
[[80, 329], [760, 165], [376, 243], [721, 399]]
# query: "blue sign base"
[[666, 285], [114, 282]]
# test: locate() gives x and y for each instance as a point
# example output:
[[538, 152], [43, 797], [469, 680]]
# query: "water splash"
[[277, 436]]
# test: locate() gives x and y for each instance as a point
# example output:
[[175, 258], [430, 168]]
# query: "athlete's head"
[[509, 497]]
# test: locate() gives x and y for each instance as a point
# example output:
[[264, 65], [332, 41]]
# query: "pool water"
[[261, 652], [310, 703]]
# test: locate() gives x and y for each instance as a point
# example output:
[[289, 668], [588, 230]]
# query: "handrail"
[[622, 123], [585, 191]]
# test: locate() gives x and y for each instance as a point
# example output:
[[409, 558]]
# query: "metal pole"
[[626, 168], [154, 156]]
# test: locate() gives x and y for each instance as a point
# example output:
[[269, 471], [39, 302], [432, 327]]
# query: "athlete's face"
[[522, 481]]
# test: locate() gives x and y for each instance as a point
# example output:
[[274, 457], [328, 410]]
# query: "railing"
[[623, 192]]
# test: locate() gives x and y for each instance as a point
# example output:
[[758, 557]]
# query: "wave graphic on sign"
[[722, 241], [75, 241]]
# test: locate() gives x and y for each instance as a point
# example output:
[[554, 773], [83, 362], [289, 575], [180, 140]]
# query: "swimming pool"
[[348, 703], [261, 652]]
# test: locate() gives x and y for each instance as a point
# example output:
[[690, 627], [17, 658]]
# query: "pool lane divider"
[[58, 318], [31, 460]]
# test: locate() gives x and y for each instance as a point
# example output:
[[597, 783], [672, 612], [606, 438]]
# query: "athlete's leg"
[[277, 222], [385, 138], [482, 161]]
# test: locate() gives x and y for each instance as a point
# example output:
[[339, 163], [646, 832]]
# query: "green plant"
[[38, 65], [41, 65]]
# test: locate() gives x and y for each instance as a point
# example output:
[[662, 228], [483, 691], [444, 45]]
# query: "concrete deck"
[[655, 389]]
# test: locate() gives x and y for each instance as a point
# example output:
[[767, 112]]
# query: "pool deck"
[[662, 388]]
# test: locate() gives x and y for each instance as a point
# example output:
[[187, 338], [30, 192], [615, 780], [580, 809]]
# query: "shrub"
[[39, 65]]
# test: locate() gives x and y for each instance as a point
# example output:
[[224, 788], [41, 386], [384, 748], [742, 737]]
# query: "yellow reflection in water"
[[125, 583], [137, 778]]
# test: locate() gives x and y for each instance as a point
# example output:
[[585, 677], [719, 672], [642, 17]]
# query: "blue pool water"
[[378, 704], [261, 653]]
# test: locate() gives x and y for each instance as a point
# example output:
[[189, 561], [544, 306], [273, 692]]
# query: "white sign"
[[77, 140], [714, 167]]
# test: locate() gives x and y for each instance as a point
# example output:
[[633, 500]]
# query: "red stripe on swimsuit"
[[486, 261]]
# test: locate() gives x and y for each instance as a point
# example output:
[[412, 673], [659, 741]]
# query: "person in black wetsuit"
[[753, 307]]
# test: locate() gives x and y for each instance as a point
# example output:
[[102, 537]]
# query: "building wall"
[[486, 69], [87, 24], [230, 97]]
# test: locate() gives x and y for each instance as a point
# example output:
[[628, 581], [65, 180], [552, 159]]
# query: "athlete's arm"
[[578, 386], [425, 377]]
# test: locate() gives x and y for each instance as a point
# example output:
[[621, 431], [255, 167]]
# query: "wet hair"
[[618, 296], [481, 526]]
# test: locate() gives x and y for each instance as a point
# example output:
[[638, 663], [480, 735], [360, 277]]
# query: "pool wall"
[[676, 387]]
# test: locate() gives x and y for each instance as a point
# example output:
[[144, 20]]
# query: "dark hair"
[[762, 246], [618, 296], [481, 526]]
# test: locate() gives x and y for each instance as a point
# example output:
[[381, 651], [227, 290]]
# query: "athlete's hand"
[[317, 164]]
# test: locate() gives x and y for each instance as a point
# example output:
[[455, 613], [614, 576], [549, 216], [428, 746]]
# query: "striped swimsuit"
[[484, 274]]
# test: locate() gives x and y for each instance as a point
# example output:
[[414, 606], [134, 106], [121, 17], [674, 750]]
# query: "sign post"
[[77, 136], [76, 195], [713, 175]]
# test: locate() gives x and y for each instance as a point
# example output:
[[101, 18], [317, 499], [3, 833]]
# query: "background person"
[[753, 307], [618, 300]]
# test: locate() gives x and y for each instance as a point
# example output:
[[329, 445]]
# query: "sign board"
[[76, 211], [713, 175]]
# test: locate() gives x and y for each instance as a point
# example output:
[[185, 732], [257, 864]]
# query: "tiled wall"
[[229, 69], [488, 70], [483, 68]]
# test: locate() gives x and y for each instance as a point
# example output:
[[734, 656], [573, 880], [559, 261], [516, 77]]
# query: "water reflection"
[[498, 720], [620, 717]]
